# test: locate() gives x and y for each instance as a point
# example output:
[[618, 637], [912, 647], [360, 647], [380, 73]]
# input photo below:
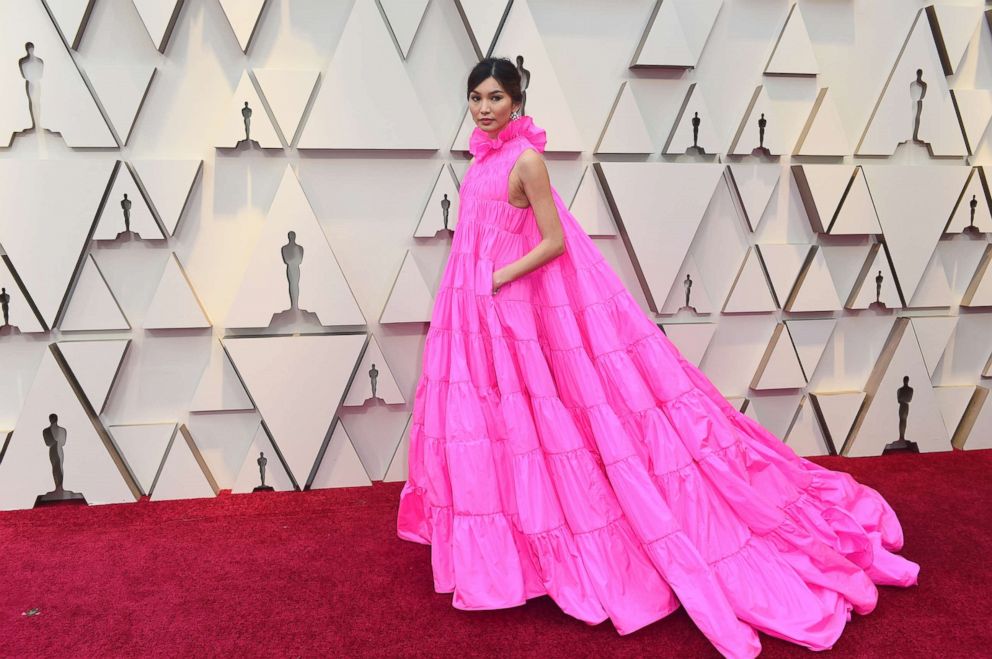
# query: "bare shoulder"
[[529, 157], [530, 164]]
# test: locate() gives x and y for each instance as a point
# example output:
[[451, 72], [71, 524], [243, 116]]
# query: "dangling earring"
[[514, 115]]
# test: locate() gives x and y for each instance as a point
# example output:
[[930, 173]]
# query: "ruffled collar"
[[480, 143]]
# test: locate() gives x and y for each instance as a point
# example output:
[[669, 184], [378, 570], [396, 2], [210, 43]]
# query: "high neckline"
[[480, 143]]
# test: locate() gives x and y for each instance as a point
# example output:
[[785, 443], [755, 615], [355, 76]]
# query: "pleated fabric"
[[561, 445]]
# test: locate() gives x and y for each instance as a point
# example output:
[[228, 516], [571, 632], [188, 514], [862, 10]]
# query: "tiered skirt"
[[561, 445]]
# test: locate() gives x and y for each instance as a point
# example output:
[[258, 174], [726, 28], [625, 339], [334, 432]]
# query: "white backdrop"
[[374, 93]]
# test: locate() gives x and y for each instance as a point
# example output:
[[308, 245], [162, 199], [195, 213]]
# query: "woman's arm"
[[533, 181]]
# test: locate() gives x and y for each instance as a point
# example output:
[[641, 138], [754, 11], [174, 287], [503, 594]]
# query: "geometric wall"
[[829, 204]]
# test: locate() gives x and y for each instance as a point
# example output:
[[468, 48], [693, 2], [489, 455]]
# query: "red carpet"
[[323, 573]]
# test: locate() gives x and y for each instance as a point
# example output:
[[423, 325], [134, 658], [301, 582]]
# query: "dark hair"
[[503, 70]]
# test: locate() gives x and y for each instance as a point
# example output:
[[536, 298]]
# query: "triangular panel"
[[783, 263], [220, 389], [806, 437], [243, 16], [689, 284], [676, 33], [374, 367], [875, 283], [159, 17], [250, 475], [663, 44], [174, 305], [815, 289], [779, 367], [782, 110], [848, 263], [837, 411], [143, 447], [972, 209], [750, 292], [93, 306], [122, 91], [297, 383], [975, 429], [410, 299], [912, 204], [288, 93], [340, 466], [898, 388], [403, 18], [19, 312], [95, 365], [371, 119], [89, 462], [71, 17], [246, 122], [441, 211], [952, 28], [974, 108], [979, 291], [625, 130], [168, 184], [64, 102], [126, 208], [691, 339], [821, 188], [264, 296], [823, 134], [49, 207], [590, 207], [776, 413], [934, 289], [856, 215], [954, 403], [687, 132], [483, 20], [754, 184], [224, 440], [398, 469], [658, 208], [810, 338], [184, 474], [894, 119], [793, 54]]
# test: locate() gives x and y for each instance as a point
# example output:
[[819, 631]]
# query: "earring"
[[514, 115]]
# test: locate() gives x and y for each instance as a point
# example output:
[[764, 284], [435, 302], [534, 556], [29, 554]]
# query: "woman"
[[561, 445]]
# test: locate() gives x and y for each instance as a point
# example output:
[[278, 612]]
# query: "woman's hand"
[[497, 281]]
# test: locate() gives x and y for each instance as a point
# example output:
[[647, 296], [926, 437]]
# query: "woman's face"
[[491, 106]]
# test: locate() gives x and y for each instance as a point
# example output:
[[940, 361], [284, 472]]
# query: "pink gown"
[[561, 445]]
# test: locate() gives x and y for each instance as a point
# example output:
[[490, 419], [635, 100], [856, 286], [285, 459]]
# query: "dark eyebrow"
[[498, 91]]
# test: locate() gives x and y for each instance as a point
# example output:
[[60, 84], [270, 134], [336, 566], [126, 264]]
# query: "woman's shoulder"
[[529, 162], [530, 156]]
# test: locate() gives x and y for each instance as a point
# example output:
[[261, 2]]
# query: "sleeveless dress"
[[561, 445]]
